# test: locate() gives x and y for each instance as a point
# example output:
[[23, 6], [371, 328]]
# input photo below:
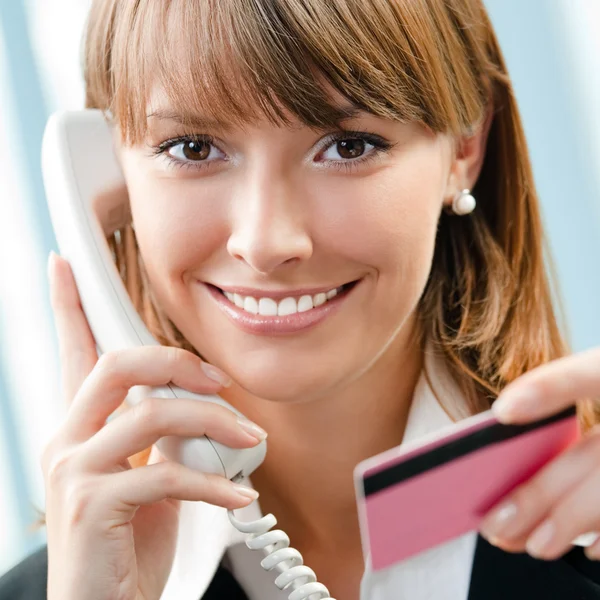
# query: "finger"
[[576, 514], [514, 519], [154, 418], [550, 388], [593, 550], [116, 372], [169, 479], [77, 347], [508, 546]]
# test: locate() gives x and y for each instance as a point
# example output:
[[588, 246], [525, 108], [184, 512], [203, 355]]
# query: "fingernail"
[[592, 552], [496, 524], [245, 492], [541, 538], [252, 428], [50, 263], [586, 539], [515, 404], [216, 374]]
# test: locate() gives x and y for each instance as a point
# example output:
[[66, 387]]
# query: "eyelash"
[[379, 144]]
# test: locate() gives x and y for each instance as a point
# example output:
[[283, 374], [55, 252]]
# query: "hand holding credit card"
[[423, 493]]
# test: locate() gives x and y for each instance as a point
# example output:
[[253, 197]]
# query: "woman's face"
[[271, 212]]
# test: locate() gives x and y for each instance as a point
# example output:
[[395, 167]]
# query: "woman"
[[362, 160]]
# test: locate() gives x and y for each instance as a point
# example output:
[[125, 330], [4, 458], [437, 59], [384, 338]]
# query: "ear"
[[468, 157]]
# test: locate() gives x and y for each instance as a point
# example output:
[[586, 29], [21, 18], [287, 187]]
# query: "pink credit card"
[[423, 493]]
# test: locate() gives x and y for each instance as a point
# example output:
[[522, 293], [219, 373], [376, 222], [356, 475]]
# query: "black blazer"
[[496, 575]]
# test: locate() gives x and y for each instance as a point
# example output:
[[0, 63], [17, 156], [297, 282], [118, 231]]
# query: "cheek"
[[170, 209], [177, 229], [387, 221]]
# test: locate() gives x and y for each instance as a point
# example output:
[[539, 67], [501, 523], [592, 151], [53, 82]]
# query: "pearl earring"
[[463, 203]]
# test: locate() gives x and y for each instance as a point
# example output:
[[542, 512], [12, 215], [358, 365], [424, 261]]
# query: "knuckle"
[[169, 476], [173, 355], [147, 414], [215, 414], [108, 363], [59, 467], [78, 499], [46, 455]]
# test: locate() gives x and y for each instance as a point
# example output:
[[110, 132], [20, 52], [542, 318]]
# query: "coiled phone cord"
[[279, 556]]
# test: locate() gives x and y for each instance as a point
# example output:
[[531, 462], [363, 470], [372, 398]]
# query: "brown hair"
[[487, 305]]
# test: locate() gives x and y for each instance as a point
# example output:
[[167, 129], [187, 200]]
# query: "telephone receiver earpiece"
[[87, 197]]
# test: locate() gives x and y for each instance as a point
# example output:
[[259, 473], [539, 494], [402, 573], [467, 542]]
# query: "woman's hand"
[[111, 528], [562, 501]]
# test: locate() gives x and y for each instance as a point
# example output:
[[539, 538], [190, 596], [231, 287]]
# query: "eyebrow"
[[201, 122], [187, 119]]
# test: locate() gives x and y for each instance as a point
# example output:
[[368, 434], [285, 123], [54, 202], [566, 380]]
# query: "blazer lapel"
[[499, 575]]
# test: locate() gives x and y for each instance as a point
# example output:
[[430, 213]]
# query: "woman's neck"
[[306, 479]]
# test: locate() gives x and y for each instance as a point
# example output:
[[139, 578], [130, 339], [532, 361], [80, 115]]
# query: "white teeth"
[[251, 305], [288, 306], [267, 306], [319, 299], [305, 303], [238, 300]]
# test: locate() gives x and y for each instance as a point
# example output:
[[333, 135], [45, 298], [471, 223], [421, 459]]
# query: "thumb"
[[77, 346]]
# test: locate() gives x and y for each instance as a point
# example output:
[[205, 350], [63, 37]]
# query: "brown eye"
[[196, 150], [350, 148]]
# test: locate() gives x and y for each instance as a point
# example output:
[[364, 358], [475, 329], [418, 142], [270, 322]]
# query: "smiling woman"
[[291, 63], [332, 207], [282, 150]]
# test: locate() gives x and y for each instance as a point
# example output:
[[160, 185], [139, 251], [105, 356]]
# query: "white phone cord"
[[278, 555]]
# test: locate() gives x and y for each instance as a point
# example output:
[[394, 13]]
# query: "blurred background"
[[553, 54]]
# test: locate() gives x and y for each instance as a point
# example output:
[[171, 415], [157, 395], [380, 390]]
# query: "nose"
[[268, 224]]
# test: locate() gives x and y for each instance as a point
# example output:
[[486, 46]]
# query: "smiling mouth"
[[289, 305]]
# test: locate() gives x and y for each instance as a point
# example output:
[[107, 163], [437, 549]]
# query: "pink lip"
[[276, 295], [274, 325]]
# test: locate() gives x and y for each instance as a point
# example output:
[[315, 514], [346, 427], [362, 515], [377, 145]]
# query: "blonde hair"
[[487, 306]]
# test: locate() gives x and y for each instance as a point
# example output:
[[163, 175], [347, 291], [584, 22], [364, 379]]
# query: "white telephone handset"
[[85, 194], [84, 189]]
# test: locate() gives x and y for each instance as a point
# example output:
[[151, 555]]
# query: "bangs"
[[235, 61]]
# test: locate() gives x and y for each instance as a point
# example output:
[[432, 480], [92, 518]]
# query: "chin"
[[279, 384]]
